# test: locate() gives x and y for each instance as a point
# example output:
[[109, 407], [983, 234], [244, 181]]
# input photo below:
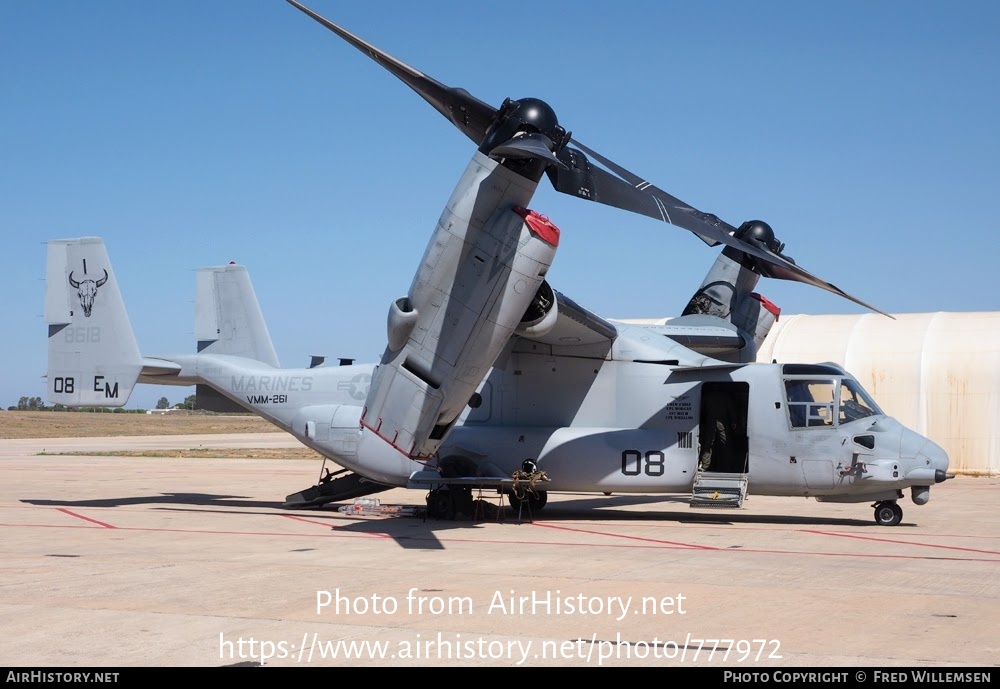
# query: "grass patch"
[[56, 424]]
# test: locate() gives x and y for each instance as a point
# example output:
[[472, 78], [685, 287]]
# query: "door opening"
[[723, 428]]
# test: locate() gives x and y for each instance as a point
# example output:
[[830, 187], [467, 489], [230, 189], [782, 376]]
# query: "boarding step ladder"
[[716, 489]]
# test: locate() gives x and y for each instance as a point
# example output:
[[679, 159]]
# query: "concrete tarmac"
[[111, 562]]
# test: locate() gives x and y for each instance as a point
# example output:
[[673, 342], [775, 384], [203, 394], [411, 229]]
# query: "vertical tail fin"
[[93, 359], [228, 319]]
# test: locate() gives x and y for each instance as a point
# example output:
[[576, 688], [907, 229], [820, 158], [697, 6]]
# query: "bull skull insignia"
[[87, 290]]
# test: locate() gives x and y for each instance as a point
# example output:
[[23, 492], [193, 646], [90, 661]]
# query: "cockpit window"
[[810, 402], [865, 441], [855, 403]]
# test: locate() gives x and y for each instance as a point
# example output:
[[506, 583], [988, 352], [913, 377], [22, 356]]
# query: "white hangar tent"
[[937, 373]]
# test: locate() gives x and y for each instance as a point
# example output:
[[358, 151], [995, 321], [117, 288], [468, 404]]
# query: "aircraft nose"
[[928, 461], [937, 459]]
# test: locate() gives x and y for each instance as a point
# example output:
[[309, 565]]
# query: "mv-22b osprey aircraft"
[[493, 379]]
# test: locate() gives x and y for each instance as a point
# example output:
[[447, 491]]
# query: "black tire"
[[888, 513], [534, 500], [440, 505]]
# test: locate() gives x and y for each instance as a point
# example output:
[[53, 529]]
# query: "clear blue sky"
[[191, 133]]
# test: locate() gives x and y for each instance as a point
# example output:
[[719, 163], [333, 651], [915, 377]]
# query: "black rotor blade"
[[572, 173], [796, 274], [671, 204], [470, 115], [584, 180], [643, 185], [630, 192]]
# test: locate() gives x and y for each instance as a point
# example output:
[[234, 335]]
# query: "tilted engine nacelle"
[[727, 290], [480, 280], [755, 316]]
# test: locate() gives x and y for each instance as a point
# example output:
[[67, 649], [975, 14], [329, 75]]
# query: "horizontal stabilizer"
[[93, 359]]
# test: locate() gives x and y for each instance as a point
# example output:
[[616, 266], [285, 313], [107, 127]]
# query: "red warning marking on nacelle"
[[540, 225]]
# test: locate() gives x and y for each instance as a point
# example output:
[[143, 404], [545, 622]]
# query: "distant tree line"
[[38, 404]]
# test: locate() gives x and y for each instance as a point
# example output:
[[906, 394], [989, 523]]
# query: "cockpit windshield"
[[855, 403], [812, 401]]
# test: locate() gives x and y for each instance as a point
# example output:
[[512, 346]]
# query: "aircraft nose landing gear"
[[888, 513]]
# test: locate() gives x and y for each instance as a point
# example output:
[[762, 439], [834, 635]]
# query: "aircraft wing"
[[154, 366], [574, 325], [577, 331], [432, 479]]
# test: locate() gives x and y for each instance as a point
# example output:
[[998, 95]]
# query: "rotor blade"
[[794, 273], [647, 187], [470, 115], [575, 175], [586, 181]]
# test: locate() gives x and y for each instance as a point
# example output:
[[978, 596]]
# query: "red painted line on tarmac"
[[674, 524], [209, 532], [734, 526], [864, 555], [52, 526], [330, 526], [520, 542], [303, 519], [666, 524], [88, 519], [894, 540], [634, 538]]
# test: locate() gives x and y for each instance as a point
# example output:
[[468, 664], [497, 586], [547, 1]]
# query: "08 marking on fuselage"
[[634, 462]]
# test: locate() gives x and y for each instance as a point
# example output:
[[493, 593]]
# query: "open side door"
[[724, 446]]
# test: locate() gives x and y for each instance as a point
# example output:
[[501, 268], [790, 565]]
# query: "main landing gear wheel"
[[888, 513], [454, 502], [534, 499]]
